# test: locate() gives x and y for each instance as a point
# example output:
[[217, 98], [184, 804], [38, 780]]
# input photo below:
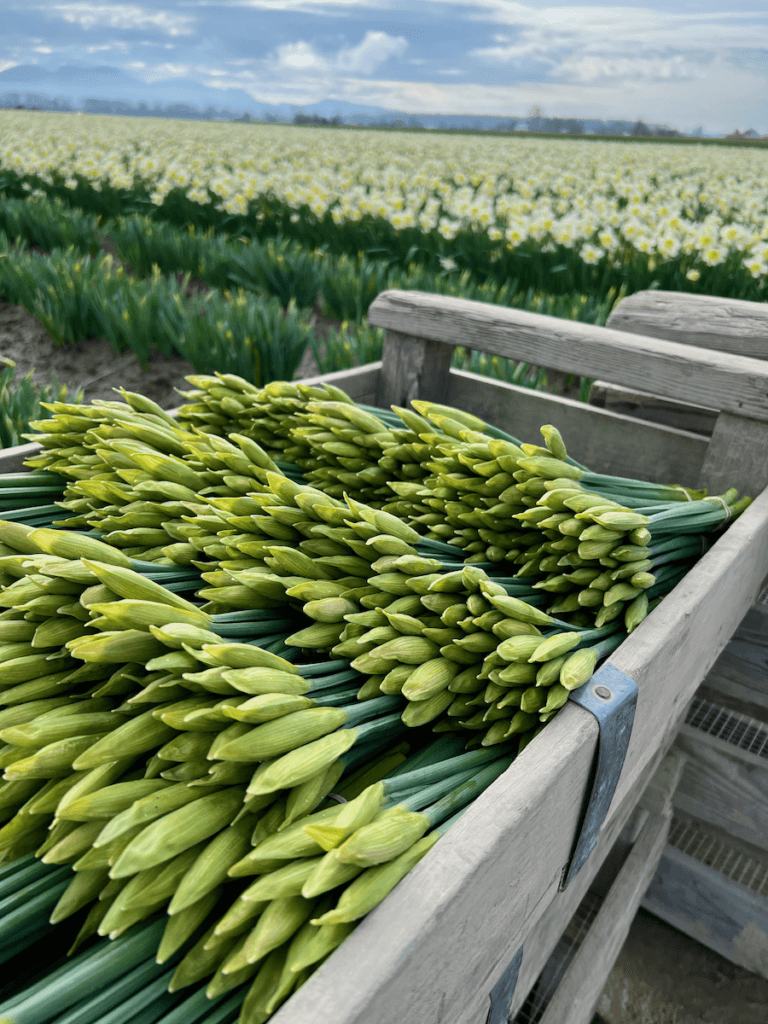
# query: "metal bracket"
[[503, 990], [611, 696]]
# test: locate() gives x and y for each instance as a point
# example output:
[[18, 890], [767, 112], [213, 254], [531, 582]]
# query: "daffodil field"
[[271, 216]]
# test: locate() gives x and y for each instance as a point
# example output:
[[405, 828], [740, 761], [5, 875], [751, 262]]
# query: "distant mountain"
[[108, 90]]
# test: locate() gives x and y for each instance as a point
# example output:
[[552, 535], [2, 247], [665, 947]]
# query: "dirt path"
[[94, 366]]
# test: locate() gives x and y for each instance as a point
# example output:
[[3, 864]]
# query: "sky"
[[686, 63]]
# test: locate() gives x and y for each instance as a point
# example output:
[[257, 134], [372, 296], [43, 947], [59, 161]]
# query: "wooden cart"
[[452, 931]]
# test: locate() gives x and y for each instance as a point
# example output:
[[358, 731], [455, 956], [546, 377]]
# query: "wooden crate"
[[433, 950]]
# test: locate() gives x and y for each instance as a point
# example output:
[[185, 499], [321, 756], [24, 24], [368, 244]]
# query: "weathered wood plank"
[[413, 367], [705, 321], [654, 408], [737, 384], [726, 917], [624, 829], [579, 989], [724, 786], [12, 459], [739, 677], [607, 441], [446, 932], [736, 456]]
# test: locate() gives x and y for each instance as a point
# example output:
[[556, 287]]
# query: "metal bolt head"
[[602, 691]]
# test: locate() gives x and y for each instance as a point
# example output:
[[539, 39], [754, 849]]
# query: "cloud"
[[121, 16], [618, 28], [591, 44], [369, 54], [293, 6], [300, 56]]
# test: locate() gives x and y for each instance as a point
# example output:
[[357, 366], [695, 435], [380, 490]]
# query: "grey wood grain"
[[624, 829], [450, 927], [737, 456], [413, 367], [579, 989], [739, 678], [724, 786], [705, 321], [603, 440], [728, 918], [12, 459], [720, 380], [654, 408]]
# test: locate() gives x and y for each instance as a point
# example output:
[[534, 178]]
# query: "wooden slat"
[[739, 678], [656, 797], [728, 918], [734, 383], [654, 408], [736, 456], [579, 989], [705, 321], [413, 368], [724, 786], [449, 929], [12, 459], [606, 441]]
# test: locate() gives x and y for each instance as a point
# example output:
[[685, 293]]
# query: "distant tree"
[[665, 132], [573, 126], [182, 110], [312, 119], [414, 123], [640, 128]]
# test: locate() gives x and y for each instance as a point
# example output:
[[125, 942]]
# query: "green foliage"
[[143, 315], [351, 345], [280, 267], [254, 337], [349, 285], [50, 224], [20, 402], [143, 243], [56, 289]]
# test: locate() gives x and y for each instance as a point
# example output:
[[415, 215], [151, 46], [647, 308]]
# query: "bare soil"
[[94, 367], [662, 976]]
